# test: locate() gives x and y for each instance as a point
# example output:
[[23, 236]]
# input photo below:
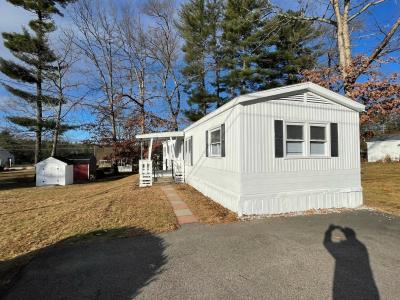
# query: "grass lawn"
[[33, 218], [381, 186], [208, 211]]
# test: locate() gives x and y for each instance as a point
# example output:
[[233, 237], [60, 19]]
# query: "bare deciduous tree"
[[138, 64], [164, 47], [60, 83], [98, 41], [342, 15]]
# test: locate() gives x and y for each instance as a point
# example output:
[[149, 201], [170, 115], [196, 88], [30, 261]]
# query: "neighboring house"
[[5, 158], [54, 171], [286, 149], [383, 146]]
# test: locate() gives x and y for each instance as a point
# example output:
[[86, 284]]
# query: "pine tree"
[[194, 31], [199, 27], [36, 58], [295, 48], [243, 44], [215, 10]]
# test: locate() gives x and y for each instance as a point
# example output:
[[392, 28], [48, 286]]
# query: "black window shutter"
[[206, 143], [278, 125], [223, 140], [191, 151], [334, 140]]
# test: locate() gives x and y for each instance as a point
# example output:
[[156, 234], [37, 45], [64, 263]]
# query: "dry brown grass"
[[33, 218], [204, 208], [381, 186]]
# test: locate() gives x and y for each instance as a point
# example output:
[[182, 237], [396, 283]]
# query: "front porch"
[[171, 164]]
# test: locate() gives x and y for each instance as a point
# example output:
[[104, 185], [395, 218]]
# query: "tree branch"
[[378, 50], [364, 9], [311, 19]]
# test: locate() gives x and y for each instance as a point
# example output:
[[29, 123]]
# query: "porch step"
[[164, 180], [179, 178], [145, 180]]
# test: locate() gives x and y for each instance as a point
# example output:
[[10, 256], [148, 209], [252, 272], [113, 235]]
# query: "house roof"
[[160, 135], [385, 137], [265, 95], [59, 158], [281, 91]]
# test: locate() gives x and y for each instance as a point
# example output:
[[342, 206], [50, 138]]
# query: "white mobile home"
[[383, 146], [54, 171], [281, 150]]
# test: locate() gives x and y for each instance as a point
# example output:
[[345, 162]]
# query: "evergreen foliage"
[[243, 45], [295, 48], [234, 47], [35, 57], [200, 28]]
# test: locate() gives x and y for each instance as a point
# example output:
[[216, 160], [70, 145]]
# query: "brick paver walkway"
[[181, 210]]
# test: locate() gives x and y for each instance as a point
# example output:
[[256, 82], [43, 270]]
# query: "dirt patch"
[[208, 211]]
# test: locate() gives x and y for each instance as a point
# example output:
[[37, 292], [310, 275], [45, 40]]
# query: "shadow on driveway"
[[90, 267], [353, 278]]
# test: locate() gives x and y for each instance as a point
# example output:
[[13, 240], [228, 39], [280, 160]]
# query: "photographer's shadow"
[[353, 277]]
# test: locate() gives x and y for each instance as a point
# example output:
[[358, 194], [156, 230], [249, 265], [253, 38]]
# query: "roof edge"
[[164, 135], [306, 86]]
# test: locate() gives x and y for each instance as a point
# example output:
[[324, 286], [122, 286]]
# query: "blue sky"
[[12, 18]]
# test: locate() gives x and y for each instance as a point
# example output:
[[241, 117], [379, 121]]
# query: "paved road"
[[275, 258]]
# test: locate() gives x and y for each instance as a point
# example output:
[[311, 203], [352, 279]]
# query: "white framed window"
[[215, 142], [294, 139], [318, 140]]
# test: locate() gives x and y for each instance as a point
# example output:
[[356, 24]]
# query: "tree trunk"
[[218, 85], [174, 122], [142, 119], [39, 118], [142, 91], [39, 107], [340, 40], [348, 75], [58, 125]]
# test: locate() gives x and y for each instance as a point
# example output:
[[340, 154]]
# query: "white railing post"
[[179, 170], [145, 172]]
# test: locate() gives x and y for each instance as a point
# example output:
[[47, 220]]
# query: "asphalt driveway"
[[277, 258]]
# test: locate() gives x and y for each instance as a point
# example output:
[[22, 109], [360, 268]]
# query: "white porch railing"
[[145, 172], [179, 170]]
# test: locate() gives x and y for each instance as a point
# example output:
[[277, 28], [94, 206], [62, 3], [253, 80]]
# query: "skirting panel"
[[300, 201], [222, 196]]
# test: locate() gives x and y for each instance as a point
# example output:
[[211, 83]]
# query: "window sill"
[[214, 156], [306, 157]]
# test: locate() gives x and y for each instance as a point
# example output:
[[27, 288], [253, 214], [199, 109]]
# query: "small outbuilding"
[[54, 171], [84, 167], [384, 146], [6, 158]]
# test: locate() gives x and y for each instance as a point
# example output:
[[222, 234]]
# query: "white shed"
[[5, 158], [384, 146], [286, 149], [54, 171]]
